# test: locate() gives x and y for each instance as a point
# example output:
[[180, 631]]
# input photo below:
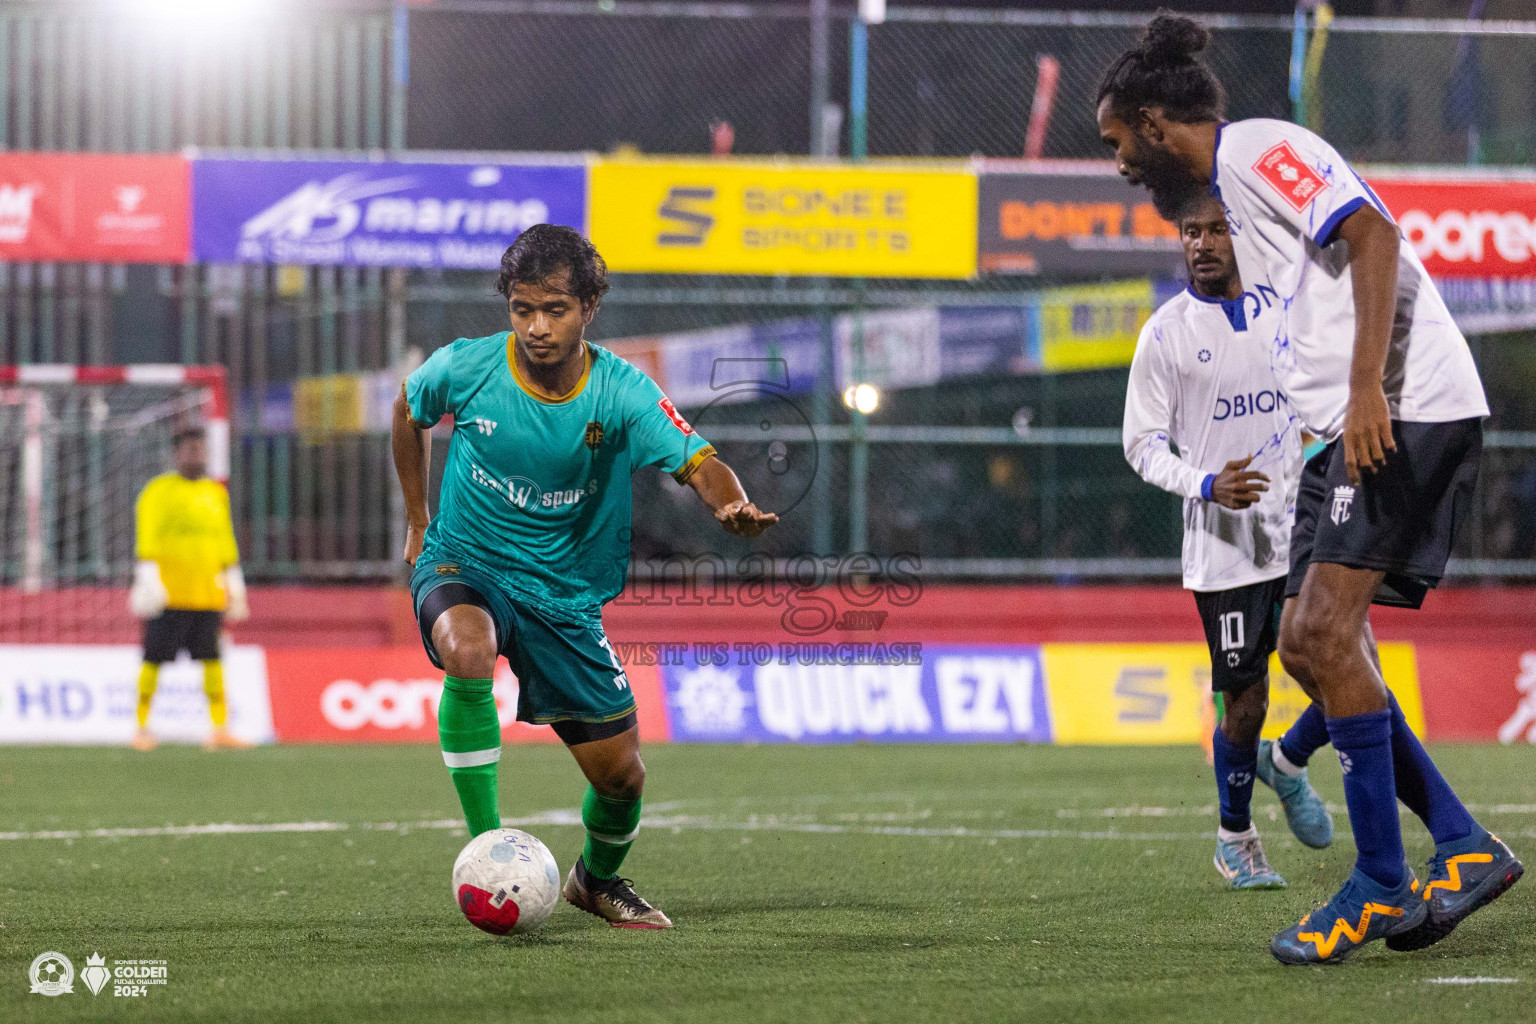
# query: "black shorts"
[[1242, 627], [174, 631], [1400, 520]]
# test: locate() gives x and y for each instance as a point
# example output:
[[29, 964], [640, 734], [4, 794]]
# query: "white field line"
[[676, 823], [688, 822], [1207, 810], [1473, 981]]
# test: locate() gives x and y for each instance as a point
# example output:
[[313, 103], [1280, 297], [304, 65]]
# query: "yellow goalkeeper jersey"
[[184, 526]]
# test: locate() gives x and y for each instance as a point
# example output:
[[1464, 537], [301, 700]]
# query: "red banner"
[[1466, 228], [390, 695], [1478, 693], [92, 207]]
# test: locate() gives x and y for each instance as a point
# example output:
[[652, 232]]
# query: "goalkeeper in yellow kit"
[[188, 580]]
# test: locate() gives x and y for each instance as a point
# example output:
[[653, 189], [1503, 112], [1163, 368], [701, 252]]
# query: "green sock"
[[470, 734], [611, 829]]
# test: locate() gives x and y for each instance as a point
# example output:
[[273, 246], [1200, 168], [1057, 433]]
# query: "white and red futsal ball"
[[506, 881]]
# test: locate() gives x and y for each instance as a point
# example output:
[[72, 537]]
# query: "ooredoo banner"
[[65, 693], [377, 214], [94, 207], [1470, 228], [390, 695]]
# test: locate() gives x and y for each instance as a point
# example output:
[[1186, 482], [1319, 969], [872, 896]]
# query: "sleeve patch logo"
[[1289, 175], [675, 416]]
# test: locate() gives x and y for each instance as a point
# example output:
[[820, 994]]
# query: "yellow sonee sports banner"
[[717, 217], [1160, 693]]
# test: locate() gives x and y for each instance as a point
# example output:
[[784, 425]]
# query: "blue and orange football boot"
[[1362, 911], [1463, 877]]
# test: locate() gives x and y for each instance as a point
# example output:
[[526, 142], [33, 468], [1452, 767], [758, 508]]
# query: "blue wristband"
[[1205, 486]]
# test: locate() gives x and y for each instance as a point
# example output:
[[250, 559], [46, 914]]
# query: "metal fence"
[[557, 75]]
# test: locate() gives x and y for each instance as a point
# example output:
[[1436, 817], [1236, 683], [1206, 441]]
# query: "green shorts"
[[566, 669]]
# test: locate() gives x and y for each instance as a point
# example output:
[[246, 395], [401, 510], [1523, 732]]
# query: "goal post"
[[77, 444]]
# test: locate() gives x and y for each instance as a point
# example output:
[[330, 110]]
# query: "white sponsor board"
[[66, 693]]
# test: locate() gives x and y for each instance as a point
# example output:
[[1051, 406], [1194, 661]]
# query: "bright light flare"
[[863, 397], [198, 14]]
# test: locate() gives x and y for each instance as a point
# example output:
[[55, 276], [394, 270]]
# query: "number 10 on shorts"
[[1232, 631]]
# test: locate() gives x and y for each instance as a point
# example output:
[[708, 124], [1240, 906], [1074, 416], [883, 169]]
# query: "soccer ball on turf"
[[505, 880]]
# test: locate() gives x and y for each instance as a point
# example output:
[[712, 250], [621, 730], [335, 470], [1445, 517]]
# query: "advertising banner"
[[58, 693], [1479, 693], [896, 693], [1159, 693], [714, 217], [390, 695], [1466, 228], [93, 207], [1089, 326], [375, 214], [1033, 223]]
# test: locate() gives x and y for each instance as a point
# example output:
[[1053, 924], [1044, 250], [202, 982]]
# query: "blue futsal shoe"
[[1362, 911], [1304, 810], [1460, 881], [1242, 863]]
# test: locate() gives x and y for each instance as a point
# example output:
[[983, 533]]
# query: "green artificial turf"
[[862, 883]]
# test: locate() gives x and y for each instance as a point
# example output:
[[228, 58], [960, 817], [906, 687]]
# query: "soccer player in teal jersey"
[[532, 539]]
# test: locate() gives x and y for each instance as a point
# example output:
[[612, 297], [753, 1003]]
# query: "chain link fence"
[[518, 75], [945, 477]]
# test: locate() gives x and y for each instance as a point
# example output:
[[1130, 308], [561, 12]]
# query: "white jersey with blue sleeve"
[[1201, 380], [1286, 191]]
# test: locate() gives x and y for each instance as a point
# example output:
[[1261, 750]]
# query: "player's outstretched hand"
[[744, 519], [415, 537], [1367, 432], [1237, 486]]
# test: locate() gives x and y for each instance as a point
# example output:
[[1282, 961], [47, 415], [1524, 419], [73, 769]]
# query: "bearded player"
[[531, 539], [1375, 367], [187, 582], [1201, 380]]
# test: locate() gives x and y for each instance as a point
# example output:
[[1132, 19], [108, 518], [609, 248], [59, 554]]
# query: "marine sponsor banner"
[[847, 693], [61, 693], [1480, 227], [1160, 693], [99, 207], [749, 217], [390, 695], [378, 214], [1047, 223]]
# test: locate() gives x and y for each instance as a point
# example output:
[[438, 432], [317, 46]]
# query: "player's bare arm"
[[412, 448], [1373, 245], [719, 488]]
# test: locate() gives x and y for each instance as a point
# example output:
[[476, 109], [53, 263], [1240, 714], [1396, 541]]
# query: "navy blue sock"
[[1364, 744], [1303, 738], [1421, 786], [1235, 765]]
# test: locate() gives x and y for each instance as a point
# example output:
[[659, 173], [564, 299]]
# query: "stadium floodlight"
[[863, 397]]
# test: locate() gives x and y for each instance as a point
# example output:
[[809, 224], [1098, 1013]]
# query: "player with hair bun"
[[1373, 364]]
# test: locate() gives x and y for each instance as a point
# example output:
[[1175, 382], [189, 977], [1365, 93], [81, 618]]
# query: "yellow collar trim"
[[581, 384]]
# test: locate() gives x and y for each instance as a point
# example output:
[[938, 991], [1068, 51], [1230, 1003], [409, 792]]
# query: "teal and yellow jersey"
[[537, 490]]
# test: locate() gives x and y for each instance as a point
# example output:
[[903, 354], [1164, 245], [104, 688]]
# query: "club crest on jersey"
[[1289, 175], [675, 416], [594, 435], [1343, 497]]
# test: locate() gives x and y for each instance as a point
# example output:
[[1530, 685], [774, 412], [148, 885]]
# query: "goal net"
[[76, 446]]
